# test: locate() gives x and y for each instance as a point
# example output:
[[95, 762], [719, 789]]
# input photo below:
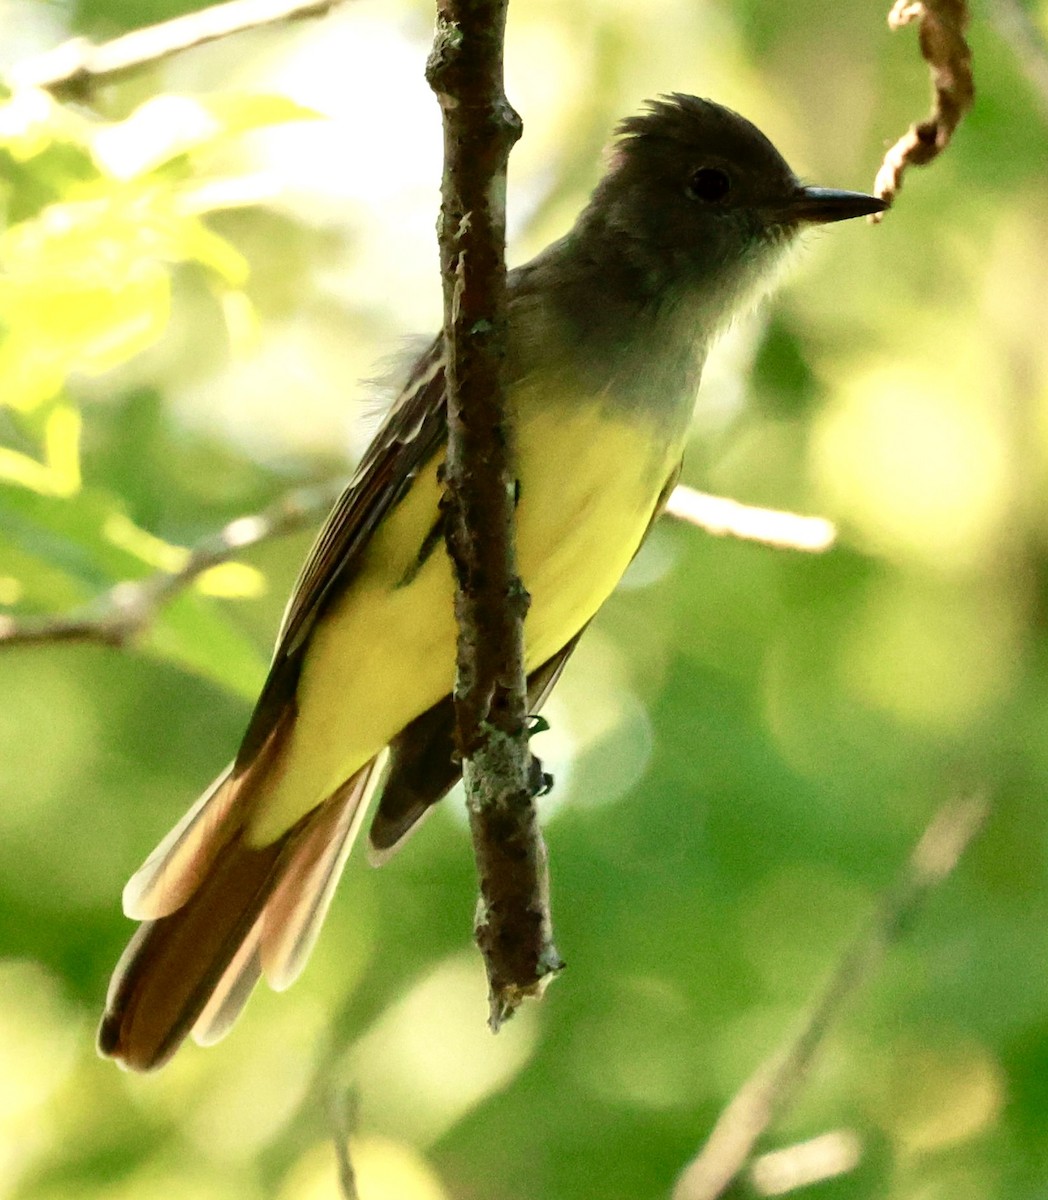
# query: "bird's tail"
[[219, 913]]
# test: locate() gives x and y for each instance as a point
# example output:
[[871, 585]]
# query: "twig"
[[342, 1111], [721, 517], [1018, 28], [513, 926], [802, 1164], [74, 68], [942, 27], [733, 1138], [118, 616]]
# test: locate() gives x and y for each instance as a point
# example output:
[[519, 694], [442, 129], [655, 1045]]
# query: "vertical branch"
[[513, 927]]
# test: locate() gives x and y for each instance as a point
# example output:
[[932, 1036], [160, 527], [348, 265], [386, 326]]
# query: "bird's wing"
[[423, 765], [412, 432]]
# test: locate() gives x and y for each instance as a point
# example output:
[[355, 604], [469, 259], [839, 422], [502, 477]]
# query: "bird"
[[608, 329]]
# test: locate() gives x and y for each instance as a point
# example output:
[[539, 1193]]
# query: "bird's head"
[[697, 197]]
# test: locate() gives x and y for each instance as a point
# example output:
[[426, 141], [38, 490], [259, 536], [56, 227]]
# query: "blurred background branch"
[[123, 612], [720, 516], [343, 1111], [128, 608], [71, 70], [1015, 23], [765, 1096]]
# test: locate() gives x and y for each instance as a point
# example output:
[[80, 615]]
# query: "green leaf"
[[59, 474], [85, 273], [167, 127], [31, 121], [199, 635], [57, 554], [35, 582], [200, 244], [84, 286], [89, 535]]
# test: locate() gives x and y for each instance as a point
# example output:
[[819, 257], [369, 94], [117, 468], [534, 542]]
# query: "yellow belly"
[[385, 653]]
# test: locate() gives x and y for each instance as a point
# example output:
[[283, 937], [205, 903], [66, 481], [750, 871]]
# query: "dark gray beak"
[[819, 206]]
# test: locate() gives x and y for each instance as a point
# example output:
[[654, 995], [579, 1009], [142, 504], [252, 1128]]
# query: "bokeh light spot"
[[915, 465], [430, 1058]]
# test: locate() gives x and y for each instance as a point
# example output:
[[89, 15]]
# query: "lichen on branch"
[[513, 926]]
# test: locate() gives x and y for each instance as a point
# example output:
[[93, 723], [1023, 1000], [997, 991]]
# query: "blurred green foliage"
[[195, 273]]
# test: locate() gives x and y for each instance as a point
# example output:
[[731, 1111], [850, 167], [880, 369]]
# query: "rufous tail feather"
[[192, 969]]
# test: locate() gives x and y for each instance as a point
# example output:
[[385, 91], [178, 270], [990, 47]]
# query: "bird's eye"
[[710, 184]]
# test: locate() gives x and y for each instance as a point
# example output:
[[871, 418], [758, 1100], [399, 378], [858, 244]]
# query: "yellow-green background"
[[747, 743]]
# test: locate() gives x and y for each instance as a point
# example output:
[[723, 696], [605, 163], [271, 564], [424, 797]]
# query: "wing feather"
[[231, 992], [423, 766], [411, 434], [171, 873], [179, 865], [296, 910]]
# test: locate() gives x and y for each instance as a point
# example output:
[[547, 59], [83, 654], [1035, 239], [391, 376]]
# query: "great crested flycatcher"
[[607, 334]]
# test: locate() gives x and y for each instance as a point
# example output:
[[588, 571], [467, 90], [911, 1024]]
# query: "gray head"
[[696, 197]]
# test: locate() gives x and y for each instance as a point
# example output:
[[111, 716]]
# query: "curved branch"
[[943, 46]]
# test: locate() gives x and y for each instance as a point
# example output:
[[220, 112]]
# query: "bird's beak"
[[819, 206]]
